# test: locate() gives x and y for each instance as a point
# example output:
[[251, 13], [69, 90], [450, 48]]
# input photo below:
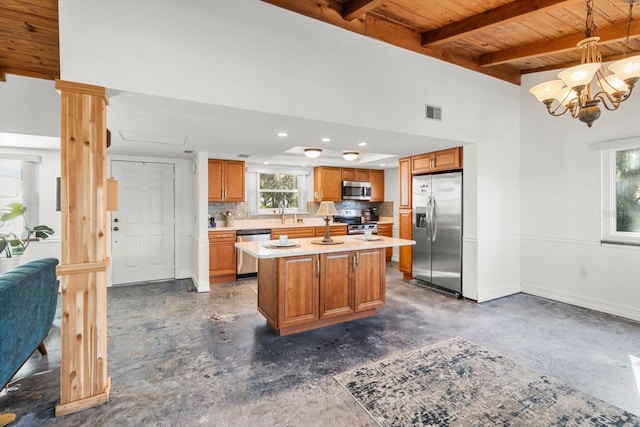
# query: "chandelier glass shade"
[[580, 90], [350, 155], [312, 153]]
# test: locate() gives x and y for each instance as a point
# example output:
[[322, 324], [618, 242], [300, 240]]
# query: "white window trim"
[[253, 185], [609, 233]]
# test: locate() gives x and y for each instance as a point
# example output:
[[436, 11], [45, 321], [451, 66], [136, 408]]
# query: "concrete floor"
[[179, 358]]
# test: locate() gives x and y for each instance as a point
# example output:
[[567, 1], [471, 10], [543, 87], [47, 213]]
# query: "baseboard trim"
[[616, 310], [200, 287], [501, 292]]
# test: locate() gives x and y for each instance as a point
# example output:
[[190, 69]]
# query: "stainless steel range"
[[355, 222]]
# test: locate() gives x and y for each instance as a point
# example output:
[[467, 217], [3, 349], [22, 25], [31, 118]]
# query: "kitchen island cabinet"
[[310, 286]]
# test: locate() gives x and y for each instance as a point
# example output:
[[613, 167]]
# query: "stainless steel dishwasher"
[[246, 265]]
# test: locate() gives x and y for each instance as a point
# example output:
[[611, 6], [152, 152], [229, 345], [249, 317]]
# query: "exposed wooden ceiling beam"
[[355, 8], [562, 44], [491, 18], [399, 35]]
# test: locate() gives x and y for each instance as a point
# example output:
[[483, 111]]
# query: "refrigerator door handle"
[[434, 218], [428, 219]]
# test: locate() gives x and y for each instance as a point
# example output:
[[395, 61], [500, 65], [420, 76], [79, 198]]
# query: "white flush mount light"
[[350, 155], [282, 134], [325, 139], [362, 144], [312, 153]]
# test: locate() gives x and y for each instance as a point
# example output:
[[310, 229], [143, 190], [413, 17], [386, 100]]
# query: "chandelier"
[[580, 89]]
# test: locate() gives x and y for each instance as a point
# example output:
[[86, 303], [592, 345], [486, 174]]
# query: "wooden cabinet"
[[226, 180], [298, 278], [437, 161], [222, 256], [351, 174], [304, 292], [334, 230], [351, 282], [369, 282], [327, 184], [377, 185], [336, 296], [405, 262], [293, 232], [386, 230], [405, 181]]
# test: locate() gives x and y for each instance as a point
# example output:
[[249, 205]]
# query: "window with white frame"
[[621, 219], [270, 190], [19, 183]]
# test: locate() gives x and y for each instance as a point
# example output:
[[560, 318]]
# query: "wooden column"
[[83, 269]]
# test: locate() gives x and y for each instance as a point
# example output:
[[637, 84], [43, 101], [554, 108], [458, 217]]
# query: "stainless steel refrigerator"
[[437, 230]]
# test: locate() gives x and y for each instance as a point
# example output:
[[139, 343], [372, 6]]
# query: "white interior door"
[[142, 229]]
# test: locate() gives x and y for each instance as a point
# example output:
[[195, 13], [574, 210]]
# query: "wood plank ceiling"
[[29, 42], [500, 38]]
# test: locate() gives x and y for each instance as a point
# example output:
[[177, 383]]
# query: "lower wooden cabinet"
[[293, 232], [334, 230], [305, 292], [406, 252], [387, 231], [222, 256]]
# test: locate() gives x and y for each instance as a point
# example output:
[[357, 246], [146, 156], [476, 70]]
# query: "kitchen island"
[[307, 285]]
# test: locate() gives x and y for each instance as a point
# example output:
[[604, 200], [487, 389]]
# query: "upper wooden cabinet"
[[437, 161], [327, 184], [377, 185], [226, 180], [349, 174], [404, 177]]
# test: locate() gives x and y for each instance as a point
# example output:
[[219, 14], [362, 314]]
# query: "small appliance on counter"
[[371, 214]]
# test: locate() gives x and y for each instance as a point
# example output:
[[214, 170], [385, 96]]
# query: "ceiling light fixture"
[[362, 144], [282, 134], [312, 153], [350, 155], [325, 139], [573, 89]]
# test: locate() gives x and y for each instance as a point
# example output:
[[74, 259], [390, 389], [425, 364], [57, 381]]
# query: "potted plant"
[[10, 243]]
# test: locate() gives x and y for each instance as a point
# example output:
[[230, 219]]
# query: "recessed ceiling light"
[[362, 144], [325, 139], [303, 165], [266, 163], [282, 134], [382, 164]]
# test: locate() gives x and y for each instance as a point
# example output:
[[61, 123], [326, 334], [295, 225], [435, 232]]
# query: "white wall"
[[561, 191], [207, 52]]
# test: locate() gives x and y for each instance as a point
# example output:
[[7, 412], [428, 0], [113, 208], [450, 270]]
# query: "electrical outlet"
[[582, 271]]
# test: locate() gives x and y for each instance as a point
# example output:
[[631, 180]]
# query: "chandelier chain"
[[591, 27], [626, 41]]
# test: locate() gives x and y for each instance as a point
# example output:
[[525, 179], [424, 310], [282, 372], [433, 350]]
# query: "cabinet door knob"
[[116, 228]]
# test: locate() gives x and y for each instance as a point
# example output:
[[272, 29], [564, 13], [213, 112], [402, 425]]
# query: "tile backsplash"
[[240, 210]]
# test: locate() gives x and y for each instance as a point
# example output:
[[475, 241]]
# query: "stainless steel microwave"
[[356, 190]]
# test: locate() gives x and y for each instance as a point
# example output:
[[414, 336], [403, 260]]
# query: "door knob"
[[116, 228]]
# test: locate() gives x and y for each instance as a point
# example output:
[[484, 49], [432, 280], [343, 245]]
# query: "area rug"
[[457, 383]]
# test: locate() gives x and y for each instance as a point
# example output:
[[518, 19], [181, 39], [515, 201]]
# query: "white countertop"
[[248, 224], [260, 249]]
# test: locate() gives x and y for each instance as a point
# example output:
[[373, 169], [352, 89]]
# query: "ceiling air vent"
[[244, 156], [432, 112]]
